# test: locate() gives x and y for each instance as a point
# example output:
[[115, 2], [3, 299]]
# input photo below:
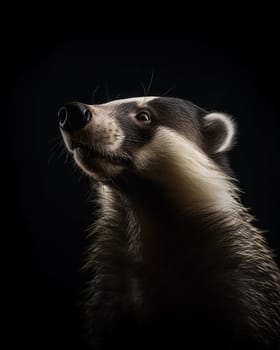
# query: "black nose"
[[73, 116]]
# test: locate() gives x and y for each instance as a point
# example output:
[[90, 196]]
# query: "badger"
[[175, 259]]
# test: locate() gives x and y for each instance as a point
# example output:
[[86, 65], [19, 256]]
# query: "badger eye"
[[144, 117]]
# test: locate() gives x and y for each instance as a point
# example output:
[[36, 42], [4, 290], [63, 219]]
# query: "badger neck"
[[177, 204], [174, 233], [174, 169], [188, 212]]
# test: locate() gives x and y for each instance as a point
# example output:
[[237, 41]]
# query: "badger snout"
[[73, 116], [94, 137]]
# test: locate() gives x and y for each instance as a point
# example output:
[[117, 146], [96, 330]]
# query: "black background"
[[46, 202]]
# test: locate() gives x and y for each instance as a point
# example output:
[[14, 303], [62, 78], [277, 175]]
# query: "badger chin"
[[101, 165]]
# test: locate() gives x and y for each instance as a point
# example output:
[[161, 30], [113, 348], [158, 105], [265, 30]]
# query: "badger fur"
[[174, 259]]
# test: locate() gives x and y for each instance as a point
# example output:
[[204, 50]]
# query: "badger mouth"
[[92, 153]]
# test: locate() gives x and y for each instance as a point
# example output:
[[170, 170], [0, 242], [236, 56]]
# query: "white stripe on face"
[[139, 100], [184, 170]]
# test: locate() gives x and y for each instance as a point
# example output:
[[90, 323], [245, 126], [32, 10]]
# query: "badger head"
[[147, 136]]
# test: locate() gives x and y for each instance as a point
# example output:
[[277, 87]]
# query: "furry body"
[[174, 257]]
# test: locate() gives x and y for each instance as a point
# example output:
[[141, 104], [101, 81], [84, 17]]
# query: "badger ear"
[[219, 132]]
